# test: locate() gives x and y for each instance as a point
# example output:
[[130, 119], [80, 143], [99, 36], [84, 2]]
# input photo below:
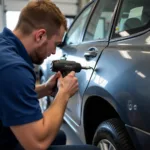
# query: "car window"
[[134, 17], [74, 33], [100, 23]]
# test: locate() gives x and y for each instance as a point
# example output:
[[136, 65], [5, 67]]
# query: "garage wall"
[[2, 15], [13, 7], [68, 7]]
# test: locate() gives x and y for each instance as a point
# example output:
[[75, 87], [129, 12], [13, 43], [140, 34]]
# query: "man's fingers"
[[60, 76], [55, 76], [72, 73]]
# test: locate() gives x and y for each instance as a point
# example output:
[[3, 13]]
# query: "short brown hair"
[[41, 14]]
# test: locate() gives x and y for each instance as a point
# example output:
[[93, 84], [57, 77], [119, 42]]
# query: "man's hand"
[[51, 83], [68, 85], [46, 89]]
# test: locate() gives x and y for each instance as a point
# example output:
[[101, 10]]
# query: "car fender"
[[100, 92]]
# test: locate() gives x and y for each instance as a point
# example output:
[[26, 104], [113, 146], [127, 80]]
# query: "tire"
[[112, 135], [45, 101]]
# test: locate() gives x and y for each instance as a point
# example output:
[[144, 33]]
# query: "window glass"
[[134, 17], [100, 22], [74, 33]]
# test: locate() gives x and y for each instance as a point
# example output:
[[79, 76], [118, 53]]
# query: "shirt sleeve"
[[19, 103]]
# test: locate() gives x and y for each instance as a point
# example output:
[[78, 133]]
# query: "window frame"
[[137, 32], [84, 27], [111, 25]]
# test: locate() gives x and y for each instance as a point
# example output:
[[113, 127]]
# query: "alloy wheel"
[[106, 145]]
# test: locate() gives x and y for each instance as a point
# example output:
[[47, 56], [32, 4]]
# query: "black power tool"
[[66, 67]]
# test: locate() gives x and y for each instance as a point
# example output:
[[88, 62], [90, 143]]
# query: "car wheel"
[[112, 135], [44, 101]]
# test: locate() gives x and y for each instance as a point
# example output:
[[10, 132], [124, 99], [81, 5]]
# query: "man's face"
[[47, 46]]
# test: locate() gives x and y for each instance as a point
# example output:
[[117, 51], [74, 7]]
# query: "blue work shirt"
[[18, 100]]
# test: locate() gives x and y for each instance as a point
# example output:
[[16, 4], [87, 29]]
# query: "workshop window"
[[134, 17], [100, 23]]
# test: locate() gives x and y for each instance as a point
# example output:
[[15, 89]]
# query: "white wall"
[[13, 7], [12, 19], [68, 7]]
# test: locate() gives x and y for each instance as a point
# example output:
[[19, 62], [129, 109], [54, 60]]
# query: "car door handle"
[[91, 53]]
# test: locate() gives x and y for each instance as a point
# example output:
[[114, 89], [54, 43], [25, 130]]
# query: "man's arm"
[[47, 88], [41, 91], [40, 134]]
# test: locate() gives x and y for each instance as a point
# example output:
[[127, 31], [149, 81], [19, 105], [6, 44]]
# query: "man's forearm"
[[41, 91], [53, 117], [40, 134]]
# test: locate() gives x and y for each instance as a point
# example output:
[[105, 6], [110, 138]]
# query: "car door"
[[88, 50]]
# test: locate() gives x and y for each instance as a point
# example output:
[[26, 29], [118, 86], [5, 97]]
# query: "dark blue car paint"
[[123, 79], [139, 137]]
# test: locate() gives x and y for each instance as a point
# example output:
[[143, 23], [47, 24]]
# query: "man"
[[40, 29]]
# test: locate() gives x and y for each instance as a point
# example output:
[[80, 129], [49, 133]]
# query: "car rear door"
[[127, 72], [87, 51]]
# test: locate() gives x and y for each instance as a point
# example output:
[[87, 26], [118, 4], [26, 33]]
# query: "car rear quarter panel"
[[122, 77]]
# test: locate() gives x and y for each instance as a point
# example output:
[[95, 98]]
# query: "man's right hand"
[[69, 84]]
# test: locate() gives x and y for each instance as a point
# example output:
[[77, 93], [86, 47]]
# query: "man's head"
[[44, 25]]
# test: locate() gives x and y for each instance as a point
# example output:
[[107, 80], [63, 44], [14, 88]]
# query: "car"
[[112, 106]]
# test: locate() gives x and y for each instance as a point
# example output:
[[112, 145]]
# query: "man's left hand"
[[51, 83]]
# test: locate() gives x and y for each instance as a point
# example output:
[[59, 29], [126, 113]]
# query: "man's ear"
[[40, 36]]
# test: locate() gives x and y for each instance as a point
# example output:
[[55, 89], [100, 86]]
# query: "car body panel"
[[139, 137], [128, 77], [123, 84], [74, 104]]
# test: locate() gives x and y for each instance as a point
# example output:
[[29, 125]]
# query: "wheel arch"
[[96, 110]]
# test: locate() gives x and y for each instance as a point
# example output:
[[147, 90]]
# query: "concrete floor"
[[72, 138]]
